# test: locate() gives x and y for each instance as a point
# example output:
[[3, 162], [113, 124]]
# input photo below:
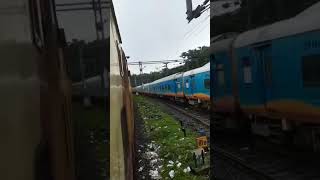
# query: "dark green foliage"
[[194, 58]]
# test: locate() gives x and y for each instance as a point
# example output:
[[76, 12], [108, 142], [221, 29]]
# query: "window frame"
[[205, 84], [220, 71], [247, 68], [310, 84]]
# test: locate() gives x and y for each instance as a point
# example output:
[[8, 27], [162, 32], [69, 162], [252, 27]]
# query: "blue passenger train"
[[192, 86], [272, 76]]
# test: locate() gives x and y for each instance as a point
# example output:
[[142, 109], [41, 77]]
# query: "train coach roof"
[[222, 45], [204, 68], [308, 20], [167, 78]]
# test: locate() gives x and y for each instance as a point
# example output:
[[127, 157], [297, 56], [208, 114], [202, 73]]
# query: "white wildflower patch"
[[140, 169], [178, 165], [171, 174], [153, 161], [154, 174], [151, 155], [186, 170]]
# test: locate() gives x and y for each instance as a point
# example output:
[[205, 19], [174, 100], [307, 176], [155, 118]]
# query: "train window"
[[220, 74], [193, 84], [247, 70], [178, 85], [121, 58], [169, 88], [206, 83], [247, 74], [310, 71], [187, 84]]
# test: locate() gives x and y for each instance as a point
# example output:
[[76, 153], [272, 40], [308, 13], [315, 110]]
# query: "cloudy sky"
[[158, 30]]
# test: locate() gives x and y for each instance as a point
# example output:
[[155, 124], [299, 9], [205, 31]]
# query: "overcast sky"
[[159, 30]]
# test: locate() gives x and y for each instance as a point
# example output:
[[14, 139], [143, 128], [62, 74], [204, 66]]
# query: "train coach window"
[[310, 71], [247, 70], [178, 85], [220, 74], [187, 84], [206, 83], [193, 84]]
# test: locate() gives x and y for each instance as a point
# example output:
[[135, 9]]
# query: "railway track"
[[263, 163], [205, 121], [241, 164]]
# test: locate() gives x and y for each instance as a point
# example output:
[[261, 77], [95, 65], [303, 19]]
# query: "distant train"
[[271, 75], [192, 86]]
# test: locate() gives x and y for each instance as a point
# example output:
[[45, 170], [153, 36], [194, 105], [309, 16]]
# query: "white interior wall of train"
[[20, 92], [117, 164]]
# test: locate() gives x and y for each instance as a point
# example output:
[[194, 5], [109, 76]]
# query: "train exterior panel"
[[179, 86], [278, 76], [197, 84], [274, 76], [121, 109], [224, 81], [192, 86]]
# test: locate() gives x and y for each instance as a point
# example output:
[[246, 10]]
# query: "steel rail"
[[251, 170], [201, 120]]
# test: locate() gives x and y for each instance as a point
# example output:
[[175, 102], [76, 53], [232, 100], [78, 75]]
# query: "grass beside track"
[[165, 131]]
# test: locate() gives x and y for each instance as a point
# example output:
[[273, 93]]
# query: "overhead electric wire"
[[160, 61], [198, 28]]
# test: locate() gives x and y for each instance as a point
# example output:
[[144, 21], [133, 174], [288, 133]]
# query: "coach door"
[[175, 86], [192, 85], [264, 67]]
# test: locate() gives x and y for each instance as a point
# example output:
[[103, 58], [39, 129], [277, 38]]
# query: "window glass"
[[247, 70], [187, 84], [206, 83], [247, 74], [193, 84], [179, 85], [311, 71], [220, 74]]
